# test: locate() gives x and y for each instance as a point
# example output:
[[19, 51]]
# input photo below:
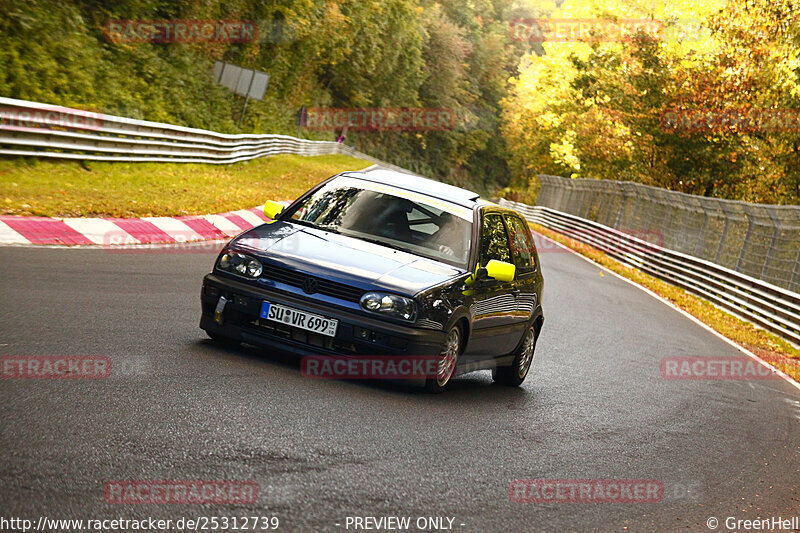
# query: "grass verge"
[[767, 346], [75, 189]]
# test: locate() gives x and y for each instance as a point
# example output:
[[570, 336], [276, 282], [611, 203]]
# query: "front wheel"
[[446, 366], [515, 374]]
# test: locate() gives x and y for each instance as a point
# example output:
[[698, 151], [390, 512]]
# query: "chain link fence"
[[761, 241]]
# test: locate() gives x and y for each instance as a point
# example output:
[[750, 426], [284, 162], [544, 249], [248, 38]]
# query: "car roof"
[[411, 182]]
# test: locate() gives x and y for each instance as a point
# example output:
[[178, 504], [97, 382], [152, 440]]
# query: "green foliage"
[[597, 110], [449, 54]]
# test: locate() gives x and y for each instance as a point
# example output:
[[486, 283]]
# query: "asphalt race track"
[[178, 407]]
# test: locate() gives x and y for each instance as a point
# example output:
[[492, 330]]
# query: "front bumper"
[[355, 335]]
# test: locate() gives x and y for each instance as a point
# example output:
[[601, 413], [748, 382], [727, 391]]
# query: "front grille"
[[326, 287], [266, 327]]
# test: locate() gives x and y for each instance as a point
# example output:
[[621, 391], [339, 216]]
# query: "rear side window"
[[521, 244], [494, 241]]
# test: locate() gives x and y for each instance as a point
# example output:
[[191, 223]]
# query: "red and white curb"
[[127, 231], [20, 230]]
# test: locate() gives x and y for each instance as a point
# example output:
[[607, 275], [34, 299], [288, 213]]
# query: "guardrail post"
[[794, 284], [746, 242], [701, 237], [776, 229], [564, 194], [682, 238], [724, 233], [570, 196], [613, 203], [549, 194], [665, 229], [623, 203]]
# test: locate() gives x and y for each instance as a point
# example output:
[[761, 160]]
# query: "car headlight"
[[389, 304], [240, 264]]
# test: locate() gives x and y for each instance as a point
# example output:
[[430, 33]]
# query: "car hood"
[[343, 259]]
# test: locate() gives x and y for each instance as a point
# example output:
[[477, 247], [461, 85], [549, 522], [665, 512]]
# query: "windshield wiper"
[[354, 234], [316, 226], [303, 222], [382, 243], [328, 227]]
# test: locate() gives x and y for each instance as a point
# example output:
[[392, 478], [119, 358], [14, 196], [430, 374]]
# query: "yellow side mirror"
[[272, 209], [470, 281], [500, 270]]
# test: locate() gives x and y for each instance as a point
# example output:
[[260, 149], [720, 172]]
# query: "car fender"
[[457, 314], [538, 314]]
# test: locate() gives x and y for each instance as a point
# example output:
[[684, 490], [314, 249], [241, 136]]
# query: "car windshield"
[[390, 216]]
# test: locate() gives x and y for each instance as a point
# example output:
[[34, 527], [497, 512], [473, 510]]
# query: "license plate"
[[299, 319]]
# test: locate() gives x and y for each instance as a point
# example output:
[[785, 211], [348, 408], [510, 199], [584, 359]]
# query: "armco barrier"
[[43, 130], [766, 305], [758, 240]]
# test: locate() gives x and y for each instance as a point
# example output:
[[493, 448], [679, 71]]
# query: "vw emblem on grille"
[[310, 285]]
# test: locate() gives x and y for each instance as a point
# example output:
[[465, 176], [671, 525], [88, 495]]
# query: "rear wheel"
[[448, 357], [515, 374]]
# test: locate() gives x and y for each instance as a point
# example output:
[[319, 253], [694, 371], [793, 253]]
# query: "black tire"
[[222, 339], [449, 353], [515, 374]]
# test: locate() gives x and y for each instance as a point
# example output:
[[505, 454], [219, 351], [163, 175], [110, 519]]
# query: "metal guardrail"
[[769, 306], [761, 241], [43, 130]]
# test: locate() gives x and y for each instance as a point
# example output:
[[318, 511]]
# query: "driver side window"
[[494, 241]]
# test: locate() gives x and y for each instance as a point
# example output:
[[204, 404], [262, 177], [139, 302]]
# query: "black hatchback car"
[[384, 263]]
